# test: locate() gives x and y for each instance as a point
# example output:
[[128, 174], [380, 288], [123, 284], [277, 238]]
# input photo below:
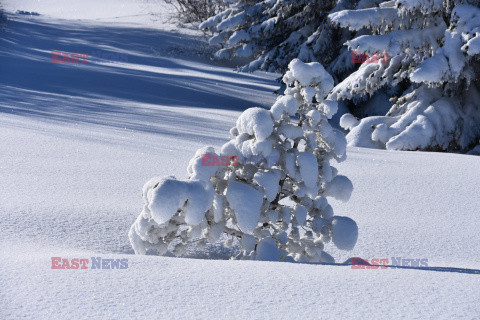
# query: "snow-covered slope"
[[414, 205], [172, 288], [79, 141]]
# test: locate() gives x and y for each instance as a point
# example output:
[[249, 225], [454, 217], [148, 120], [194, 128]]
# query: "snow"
[[314, 117], [329, 107], [212, 21], [280, 293], [245, 51], [359, 81], [420, 5], [79, 143], [166, 195], [269, 181], [248, 242], [348, 121], [164, 200], [197, 168], [238, 36], [309, 73], [300, 214], [340, 188], [345, 233], [290, 131], [356, 20], [428, 120], [267, 250], [397, 41], [284, 104], [448, 61], [231, 22], [200, 199], [245, 201], [255, 121], [417, 135], [308, 165], [430, 53], [473, 46], [218, 206]]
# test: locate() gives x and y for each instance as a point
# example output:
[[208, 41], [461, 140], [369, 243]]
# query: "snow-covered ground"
[[78, 141]]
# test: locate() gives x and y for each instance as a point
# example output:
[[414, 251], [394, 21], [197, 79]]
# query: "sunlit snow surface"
[[79, 141]]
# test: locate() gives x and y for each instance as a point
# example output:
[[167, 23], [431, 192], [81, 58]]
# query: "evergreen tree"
[[266, 189], [434, 49], [274, 32]]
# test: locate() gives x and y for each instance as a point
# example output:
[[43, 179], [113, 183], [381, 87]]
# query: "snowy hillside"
[[78, 142]]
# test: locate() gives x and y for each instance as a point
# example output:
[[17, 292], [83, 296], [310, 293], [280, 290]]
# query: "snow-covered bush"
[[197, 10], [273, 32], [266, 189], [434, 47]]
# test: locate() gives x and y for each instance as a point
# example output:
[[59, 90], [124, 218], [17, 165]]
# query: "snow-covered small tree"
[[271, 199], [434, 47], [272, 33]]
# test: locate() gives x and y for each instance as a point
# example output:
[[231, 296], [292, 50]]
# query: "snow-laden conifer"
[[273, 32], [434, 49], [270, 197]]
